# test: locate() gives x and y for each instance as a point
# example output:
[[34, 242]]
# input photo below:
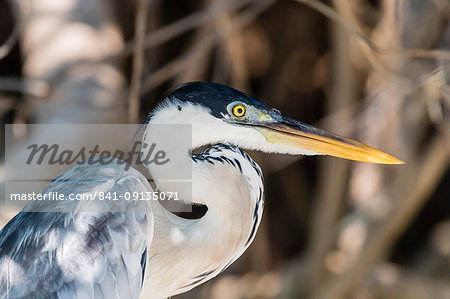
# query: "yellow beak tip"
[[396, 161], [379, 157]]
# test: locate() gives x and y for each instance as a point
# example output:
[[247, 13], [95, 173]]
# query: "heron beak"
[[293, 133]]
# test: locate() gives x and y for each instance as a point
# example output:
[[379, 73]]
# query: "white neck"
[[195, 247]]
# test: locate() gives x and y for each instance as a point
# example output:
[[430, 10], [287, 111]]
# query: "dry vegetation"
[[377, 71]]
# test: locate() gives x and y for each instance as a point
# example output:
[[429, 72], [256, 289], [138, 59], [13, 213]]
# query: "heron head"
[[219, 113]]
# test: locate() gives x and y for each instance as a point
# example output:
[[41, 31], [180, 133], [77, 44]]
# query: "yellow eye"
[[238, 110]]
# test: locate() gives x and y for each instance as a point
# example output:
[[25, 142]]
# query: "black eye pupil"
[[239, 110]]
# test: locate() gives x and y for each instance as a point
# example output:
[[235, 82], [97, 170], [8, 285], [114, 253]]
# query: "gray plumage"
[[78, 254]]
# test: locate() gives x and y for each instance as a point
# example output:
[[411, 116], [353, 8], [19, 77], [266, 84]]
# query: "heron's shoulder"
[[96, 175], [100, 169]]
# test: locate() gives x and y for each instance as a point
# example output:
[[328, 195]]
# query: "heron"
[[144, 250]]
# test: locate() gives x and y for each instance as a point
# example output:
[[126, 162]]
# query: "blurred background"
[[374, 70]]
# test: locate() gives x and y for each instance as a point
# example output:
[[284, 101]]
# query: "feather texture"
[[65, 252]]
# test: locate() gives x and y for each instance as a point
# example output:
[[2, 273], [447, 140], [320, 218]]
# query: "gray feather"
[[64, 252]]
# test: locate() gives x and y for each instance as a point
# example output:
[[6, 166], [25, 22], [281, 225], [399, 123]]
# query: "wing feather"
[[58, 250]]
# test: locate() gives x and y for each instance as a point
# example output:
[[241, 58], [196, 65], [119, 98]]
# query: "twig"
[[10, 42], [231, 53], [343, 92], [15, 34], [407, 285], [421, 53], [185, 24], [30, 87], [344, 15], [138, 61], [180, 64], [177, 65], [425, 175], [199, 65], [335, 16]]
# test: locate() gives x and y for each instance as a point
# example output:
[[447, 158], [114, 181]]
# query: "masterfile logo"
[[34, 160]]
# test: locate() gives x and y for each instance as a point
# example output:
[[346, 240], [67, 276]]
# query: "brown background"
[[376, 71]]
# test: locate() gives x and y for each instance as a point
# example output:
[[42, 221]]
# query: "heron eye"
[[238, 110]]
